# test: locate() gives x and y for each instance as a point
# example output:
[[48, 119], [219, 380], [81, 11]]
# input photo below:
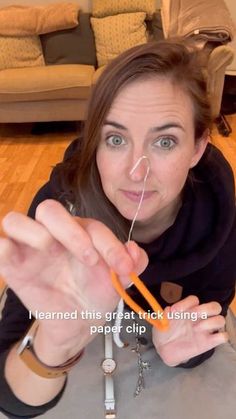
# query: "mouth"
[[135, 196]]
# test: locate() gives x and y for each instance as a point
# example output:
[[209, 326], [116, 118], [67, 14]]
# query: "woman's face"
[[152, 118]]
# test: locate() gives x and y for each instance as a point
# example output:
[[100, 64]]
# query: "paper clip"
[[162, 323]]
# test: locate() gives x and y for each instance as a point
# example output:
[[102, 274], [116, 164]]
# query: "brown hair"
[[173, 59]]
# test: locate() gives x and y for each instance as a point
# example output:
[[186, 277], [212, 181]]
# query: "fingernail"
[[133, 250], [124, 267], [90, 257]]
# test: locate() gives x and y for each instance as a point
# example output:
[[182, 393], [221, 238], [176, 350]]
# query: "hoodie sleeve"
[[220, 275], [196, 360], [13, 325], [220, 287], [12, 407], [15, 322]]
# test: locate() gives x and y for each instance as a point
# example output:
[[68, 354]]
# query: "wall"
[[86, 5]]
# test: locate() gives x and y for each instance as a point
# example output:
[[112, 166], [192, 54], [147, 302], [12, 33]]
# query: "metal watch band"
[[29, 357]]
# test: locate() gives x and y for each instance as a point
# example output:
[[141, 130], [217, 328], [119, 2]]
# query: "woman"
[[150, 102]]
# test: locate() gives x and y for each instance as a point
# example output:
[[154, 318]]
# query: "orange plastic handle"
[[162, 323]]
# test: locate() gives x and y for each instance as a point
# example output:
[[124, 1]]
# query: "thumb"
[[138, 255], [140, 260]]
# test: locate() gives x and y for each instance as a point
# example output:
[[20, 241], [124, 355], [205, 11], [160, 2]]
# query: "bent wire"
[[160, 323]]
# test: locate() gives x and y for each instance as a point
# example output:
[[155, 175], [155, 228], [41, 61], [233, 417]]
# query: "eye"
[[115, 140], [166, 143]]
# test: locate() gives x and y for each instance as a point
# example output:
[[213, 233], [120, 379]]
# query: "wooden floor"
[[27, 160]]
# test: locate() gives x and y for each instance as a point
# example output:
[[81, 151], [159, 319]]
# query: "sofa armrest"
[[218, 60]]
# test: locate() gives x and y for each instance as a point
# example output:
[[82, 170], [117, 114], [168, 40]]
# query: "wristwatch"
[[108, 366], [27, 354]]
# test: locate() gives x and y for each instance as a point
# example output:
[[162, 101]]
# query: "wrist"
[[53, 354], [26, 352]]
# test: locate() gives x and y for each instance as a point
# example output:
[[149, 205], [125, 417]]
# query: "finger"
[[185, 304], [25, 230], [138, 255], [167, 310], [211, 324], [8, 251], [208, 309], [10, 258], [113, 252], [66, 229], [217, 339], [86, 239]]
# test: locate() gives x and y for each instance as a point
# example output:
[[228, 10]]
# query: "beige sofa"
[[56, 81], [59, 91], [231, 69], [211, 25], [50, 93]]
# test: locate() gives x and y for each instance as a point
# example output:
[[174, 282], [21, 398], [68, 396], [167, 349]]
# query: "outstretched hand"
[[60, 263], [187, 338]]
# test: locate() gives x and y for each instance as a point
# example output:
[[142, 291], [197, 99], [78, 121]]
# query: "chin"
[[129, 215], [128, 210]]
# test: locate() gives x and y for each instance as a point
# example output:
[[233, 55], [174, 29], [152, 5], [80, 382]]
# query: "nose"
[[140, 170]]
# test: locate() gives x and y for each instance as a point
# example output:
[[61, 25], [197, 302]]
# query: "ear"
[[200, 147]]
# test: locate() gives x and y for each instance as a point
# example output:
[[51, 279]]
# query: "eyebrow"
[[154, 129], [115, 124]]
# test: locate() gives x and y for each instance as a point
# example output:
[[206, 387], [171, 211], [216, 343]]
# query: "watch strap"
[[110, 412], [109, 397], [29, 357], [108, 345]]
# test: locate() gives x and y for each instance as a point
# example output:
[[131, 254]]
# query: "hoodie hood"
[[202, 226]]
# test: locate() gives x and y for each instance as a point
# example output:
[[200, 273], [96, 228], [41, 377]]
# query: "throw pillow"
[[71, 46], [30, 20], [20, 52], [115, 34], [102, 8]]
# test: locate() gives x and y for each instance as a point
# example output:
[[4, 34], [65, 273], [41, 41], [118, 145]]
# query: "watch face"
[[108, 365]]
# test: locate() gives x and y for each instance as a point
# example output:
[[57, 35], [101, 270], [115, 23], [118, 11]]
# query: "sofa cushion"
[[115, 34], [20, 52], [28, 20], [102, 8], [71, 46], [98, 73], [46, 83]]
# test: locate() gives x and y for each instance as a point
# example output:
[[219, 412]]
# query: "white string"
[[120, 307]]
